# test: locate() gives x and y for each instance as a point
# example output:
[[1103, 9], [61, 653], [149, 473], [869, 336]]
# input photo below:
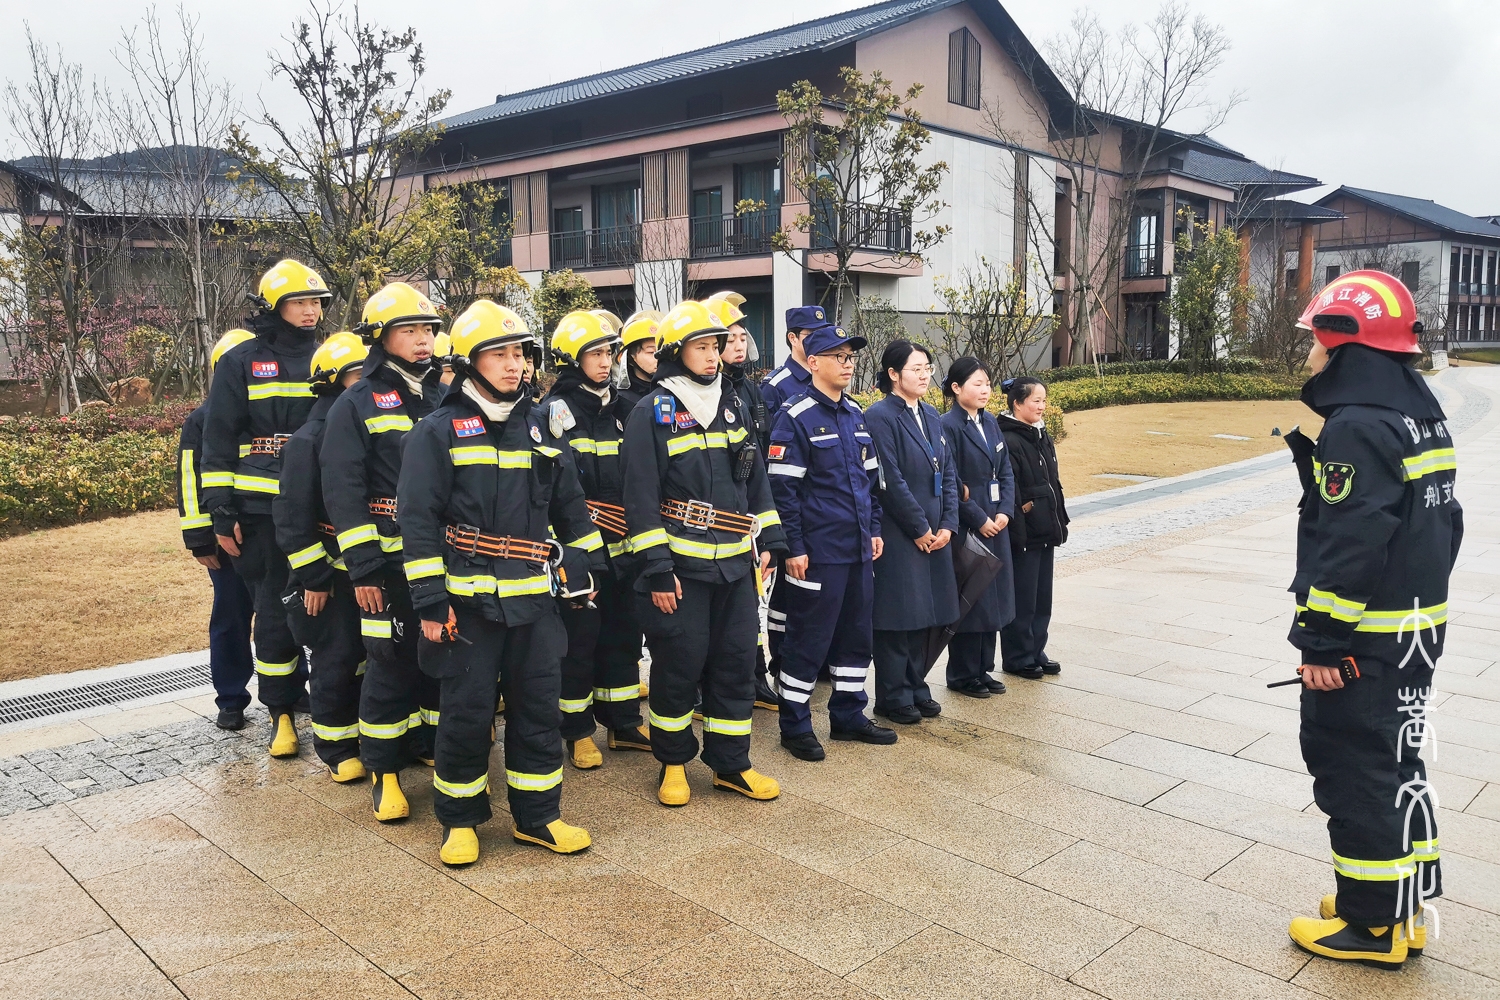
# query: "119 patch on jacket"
[[387, 400], [467, 427], [264, 369], [1338, 480]]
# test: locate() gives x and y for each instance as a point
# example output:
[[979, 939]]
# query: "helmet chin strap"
[[464, 368], [416, 369]]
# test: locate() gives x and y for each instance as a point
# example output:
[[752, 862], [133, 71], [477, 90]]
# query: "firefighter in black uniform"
[[229, 663], [697, 502], [361, 464], [482, 478], [261, 391], [1377, 539], [638, 359], [600, 676], [739, 351], [320, 601]]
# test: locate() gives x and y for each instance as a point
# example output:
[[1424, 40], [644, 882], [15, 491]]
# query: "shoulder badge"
[[465, 427], [1337, 481], [560, 417], [619, 424], [728, 415], [536, 434], [777, 452], [387, 400], [265, 369]]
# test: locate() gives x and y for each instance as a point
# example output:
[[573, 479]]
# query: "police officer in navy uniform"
[[791, 379], [915, 587], [825, 477]]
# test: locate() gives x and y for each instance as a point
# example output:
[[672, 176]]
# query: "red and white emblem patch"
[[777, 452], [467, 426], [387, 400], [265, 369]]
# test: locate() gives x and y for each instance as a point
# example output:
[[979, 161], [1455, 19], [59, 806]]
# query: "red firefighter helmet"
[[1364, 307]]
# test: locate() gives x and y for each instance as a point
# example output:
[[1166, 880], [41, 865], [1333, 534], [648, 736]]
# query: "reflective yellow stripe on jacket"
[[1430, 461], [468, 586], [272, 390], [483, 454], [192, 516], [1334, 606], [255, 484], [388, 422]]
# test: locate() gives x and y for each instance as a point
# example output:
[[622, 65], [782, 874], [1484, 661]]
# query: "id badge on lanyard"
[[937, 484], [994, 491]]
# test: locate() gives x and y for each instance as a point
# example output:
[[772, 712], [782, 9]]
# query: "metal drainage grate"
[[37, 706]]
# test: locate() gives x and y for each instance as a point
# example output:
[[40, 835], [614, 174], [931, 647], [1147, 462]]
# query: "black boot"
[[804, 746]]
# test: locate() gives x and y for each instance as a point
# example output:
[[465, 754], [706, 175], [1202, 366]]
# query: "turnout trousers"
[[971, 655], [900, 668], [768, 657], [336, 667], [280, 673], [525, 661], [710, 640], [601, 676], [828, 621], [229, 661], [1361, 744], [398, 703], [1023, 643]]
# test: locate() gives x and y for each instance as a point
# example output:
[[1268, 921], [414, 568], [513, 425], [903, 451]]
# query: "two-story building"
[[631, 177]]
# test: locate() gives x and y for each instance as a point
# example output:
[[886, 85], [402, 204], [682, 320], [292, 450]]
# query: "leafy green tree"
[[1206, 293], [861, 170], [560, 293]]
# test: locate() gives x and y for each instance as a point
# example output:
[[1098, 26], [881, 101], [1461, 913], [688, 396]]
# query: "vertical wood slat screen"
[[1021, 216], [678, 184], [653, 186], [520, 205], [539, 221], [956, 66], [971, 70]]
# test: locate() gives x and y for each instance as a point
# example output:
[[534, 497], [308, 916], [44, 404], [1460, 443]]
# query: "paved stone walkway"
[[1140, 826]]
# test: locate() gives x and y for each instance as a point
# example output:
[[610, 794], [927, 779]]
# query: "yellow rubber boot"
[[556, 836], [673, 790], [390, 801], [1416, 938], [1380, 947], [749, 783], [585, 754], [284, 738], [347, 771], [460, 846], [638, 738]]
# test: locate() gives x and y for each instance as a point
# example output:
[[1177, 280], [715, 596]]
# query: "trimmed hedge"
[[1224, 366], [96, 422], [1169, 387], [50, 481]]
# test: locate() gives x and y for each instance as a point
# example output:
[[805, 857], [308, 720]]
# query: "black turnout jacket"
[[298, 509], [260, 390], [594, 440], [1380, 526], [361, 461], [669, 456], [513, 479]]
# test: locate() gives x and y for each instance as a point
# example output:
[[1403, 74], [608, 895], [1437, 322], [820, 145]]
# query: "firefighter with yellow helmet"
[[360, 461], [701, 520], [637, 358], [320, 601], [229, 662], [495, 528], [260, 396], [600, 677]]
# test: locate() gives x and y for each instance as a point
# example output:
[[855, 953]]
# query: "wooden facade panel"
[[539, 206], [520, 205], [653, 186], [679, 184]]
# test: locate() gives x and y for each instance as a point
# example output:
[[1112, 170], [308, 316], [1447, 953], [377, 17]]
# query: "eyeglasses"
[[918, 370], [843, 359]]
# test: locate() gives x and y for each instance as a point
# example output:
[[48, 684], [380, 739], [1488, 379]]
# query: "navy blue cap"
[[806, 318], [830, 338]]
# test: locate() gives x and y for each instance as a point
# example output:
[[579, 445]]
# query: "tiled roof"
[[810, 36], [1237, 172], [1423, 210], [1286, 210]]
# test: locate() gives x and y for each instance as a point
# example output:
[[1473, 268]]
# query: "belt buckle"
[[466, 535], [699, 515], [277, 441]]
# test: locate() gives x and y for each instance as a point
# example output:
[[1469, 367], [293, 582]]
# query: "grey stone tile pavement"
[[1138, 826]]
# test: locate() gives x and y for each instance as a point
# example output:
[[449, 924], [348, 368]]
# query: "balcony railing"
[[616, 246], [1141, 261], [735, 235], [1472, 288], [870, 228]]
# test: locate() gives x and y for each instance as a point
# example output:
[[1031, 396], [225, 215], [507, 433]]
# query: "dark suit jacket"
[[913, 589], [982, 460]]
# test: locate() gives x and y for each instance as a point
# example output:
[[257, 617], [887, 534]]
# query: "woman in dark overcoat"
[[986, 501], [1040, 525], [914, 584]]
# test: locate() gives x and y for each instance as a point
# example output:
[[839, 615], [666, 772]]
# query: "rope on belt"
[[607, 516], [469, 540], [701, 515]]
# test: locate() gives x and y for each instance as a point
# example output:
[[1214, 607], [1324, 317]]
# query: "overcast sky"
[[1394, 95]]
